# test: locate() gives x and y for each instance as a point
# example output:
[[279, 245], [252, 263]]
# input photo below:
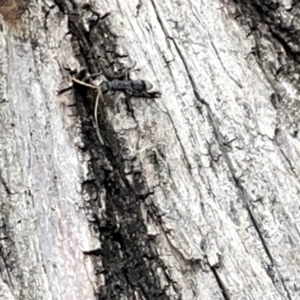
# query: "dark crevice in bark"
[[246, 198], [275, 271], [292, 168], [236, 181], [280, 143], [180, 54], [127, 257], [226, 71], [256, 225], [190, 76], [5, 185], [8, 266], [220, 283], [125, 245]]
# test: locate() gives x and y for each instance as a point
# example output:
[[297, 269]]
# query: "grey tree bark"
[[194, 195]]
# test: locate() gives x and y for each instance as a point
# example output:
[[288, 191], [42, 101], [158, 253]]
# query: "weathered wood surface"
[[194, 196]]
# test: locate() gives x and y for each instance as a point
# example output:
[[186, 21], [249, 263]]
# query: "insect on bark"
[[131, 88], [137, 88]]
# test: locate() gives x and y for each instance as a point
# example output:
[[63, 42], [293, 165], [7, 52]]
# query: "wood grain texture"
[[194, 196]]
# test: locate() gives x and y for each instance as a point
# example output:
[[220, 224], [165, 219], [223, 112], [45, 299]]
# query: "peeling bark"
[[194, 195]]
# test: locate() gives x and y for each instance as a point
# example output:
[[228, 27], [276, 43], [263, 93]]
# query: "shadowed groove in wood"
[[128, 260]]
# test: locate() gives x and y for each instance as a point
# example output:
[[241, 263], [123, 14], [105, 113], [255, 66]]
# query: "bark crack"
[[220, 283], [129, 263], [228, 74], [5, 185]]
